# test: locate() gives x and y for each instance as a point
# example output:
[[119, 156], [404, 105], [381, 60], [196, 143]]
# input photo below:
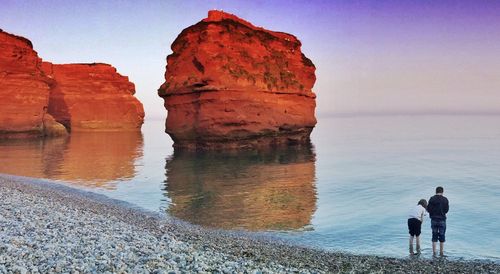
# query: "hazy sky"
[[371, 56]]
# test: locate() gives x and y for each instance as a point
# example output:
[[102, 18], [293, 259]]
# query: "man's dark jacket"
[[438, 207]]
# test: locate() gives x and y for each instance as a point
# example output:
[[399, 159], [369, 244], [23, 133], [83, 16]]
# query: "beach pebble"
[[19, 269]]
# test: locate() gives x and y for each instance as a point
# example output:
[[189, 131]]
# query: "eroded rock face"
[[93, 97], [43, 99], [231, 84], [24, 91]]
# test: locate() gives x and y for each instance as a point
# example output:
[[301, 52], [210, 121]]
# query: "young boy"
[[415, 219]]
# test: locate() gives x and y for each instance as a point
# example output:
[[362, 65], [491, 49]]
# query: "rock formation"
[[232, 84], [92, 97], [41, 99], [24, 91]]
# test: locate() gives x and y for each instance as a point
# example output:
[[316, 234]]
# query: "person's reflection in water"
[[258, 190]]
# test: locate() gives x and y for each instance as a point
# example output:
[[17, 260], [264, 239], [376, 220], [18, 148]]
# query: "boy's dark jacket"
[[438, 207]]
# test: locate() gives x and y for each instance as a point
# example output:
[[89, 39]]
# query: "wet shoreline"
[[110, 235]]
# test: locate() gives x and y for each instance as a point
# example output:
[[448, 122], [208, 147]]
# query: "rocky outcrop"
[[232, 84], [93, 97], [24, 91], [42, 99]]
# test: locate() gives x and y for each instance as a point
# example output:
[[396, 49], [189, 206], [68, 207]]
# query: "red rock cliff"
[[35, 94], [24, 91], [231, 84], [93, 97]]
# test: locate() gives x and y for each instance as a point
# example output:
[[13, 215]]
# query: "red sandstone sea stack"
[[24, 91], [230, 84], [43, 99], [93, 97]]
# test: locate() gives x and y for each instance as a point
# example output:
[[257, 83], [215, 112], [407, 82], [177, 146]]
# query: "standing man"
[[437, 208]]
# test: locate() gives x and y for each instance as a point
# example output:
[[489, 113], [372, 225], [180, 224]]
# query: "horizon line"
[[408, 113]]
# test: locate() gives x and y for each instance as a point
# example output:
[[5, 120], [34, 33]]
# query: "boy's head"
[[423, 203], [439, 190]]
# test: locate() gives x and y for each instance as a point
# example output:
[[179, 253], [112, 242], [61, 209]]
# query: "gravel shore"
[[50, 228]]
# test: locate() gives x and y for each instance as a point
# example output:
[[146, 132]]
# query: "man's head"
[[439, 190]]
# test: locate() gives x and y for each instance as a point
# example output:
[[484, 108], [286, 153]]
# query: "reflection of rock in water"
[[32, 157], [87, 159], [272, 190]]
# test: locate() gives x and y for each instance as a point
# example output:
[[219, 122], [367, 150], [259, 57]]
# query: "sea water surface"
[[349, 191]]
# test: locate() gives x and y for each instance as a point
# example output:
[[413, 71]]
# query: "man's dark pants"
[[438, 230]]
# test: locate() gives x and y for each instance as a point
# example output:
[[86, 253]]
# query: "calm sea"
[[349, 191]]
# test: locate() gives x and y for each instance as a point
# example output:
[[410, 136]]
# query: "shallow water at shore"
[[350, 191]]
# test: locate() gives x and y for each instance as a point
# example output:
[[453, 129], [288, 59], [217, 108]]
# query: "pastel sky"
[[371, 56]]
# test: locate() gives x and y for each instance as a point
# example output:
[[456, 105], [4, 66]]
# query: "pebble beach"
[[51, 228]]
